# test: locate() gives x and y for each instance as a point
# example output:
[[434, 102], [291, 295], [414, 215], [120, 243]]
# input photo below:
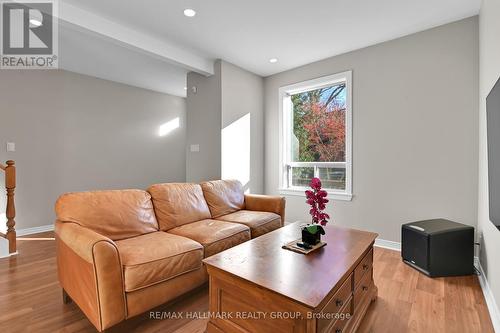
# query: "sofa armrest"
[[266, 203], [90, 271]]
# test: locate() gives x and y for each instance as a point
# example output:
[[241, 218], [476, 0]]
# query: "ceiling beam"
[[159, 48]]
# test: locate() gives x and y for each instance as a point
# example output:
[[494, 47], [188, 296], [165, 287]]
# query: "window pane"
[[332, 178], [319, 125], [302, 176]]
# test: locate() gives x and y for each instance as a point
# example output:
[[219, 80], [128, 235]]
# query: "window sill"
[[331, 195]]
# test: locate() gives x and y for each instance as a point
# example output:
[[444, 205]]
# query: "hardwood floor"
[[412, 302], [31, 299]]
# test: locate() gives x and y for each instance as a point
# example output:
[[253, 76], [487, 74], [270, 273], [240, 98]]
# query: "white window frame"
[[285, 127]]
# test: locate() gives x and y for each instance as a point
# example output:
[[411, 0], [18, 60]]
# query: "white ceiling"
[[84, 52], [248, 33]]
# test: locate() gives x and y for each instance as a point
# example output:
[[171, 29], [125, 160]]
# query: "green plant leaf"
[[313, 229]]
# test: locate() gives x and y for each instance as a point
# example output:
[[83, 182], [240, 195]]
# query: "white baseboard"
[[8, 255], [34, 230], [4, 244], [4, 248], [488, 296], [396, 246]]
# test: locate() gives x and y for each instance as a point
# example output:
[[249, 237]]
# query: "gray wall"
[[414, 130], [74, 133], [203, 125], [489, 30], [243, 95], [220, 101]]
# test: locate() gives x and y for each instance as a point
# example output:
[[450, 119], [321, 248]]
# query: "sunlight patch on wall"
[[236, 151], [169, 126]]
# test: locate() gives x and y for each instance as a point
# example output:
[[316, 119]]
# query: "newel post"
[[10, 185]]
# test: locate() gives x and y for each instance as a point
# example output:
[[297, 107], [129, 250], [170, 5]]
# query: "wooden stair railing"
[[10, 185]]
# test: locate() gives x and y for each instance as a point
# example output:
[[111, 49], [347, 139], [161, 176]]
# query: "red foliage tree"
[[325, 125]]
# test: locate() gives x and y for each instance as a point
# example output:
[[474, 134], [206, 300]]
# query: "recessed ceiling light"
[[273, 60], [35, 22], [185, 88], [189, 12]]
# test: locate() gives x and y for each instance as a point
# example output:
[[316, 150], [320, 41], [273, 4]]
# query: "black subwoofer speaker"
[[438, 247]]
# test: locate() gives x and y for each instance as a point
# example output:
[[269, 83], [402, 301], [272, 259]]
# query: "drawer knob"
[[365, 288], [365, 267], [339, 302]]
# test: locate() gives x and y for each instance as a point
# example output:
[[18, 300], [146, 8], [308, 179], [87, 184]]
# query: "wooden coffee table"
[[259, 287]]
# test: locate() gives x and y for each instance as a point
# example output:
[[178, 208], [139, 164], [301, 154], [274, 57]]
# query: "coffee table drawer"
[[364, 266], [339, 321], [363, 288], [340, 298]]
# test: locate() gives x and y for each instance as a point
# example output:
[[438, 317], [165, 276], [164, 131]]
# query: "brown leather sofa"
[[123, 252]]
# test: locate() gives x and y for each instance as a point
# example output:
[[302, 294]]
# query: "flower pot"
[[311, 239], [311, 234]]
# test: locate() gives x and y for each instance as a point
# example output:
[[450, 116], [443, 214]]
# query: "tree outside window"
[[316, 142]]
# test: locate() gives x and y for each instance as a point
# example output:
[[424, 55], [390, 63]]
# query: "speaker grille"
[[415, 248]]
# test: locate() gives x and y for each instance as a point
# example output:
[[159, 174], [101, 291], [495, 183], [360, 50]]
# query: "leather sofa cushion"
[[145, 299], [223, 196], [178, 203], [156, 257], [215, 236], [115, 214], [259, 222]]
